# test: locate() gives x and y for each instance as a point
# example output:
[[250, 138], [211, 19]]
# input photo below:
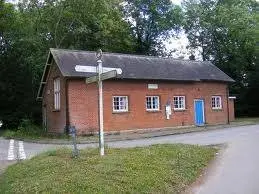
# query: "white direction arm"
[[106, 69], [88, 69], [93, 69]]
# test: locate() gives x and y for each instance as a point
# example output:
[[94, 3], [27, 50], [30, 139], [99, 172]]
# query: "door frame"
[[203, 111]]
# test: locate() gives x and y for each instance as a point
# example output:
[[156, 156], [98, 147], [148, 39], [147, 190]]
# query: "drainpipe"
[[67, 107], [227, 92]]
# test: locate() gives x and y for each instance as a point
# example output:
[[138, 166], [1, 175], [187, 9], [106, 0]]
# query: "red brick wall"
[[83, 104], [56, 120]]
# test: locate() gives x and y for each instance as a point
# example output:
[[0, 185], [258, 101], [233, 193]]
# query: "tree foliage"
[[32, 27], [224, 31], [151, 23]]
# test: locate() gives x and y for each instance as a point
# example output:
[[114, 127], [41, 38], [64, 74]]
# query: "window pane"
[[182, 102], [216, 102], [179, 102], [176, 102], [56, 93], [155, 102], [180, 105], [152, 102], [148, 102], [120, 103]]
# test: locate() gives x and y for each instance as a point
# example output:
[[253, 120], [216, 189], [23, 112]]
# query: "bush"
[[26, 129]]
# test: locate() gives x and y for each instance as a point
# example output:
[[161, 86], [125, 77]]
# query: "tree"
[[152, 22], [224, 32], [7, 19], [30, 29], [252, 93], [78, 24]]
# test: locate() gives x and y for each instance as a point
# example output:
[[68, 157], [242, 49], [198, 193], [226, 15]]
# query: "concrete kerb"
[[139, 134]]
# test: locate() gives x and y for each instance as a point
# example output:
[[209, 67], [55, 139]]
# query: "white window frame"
[[57, 93], [215, 105], [178, 100], [151, 101], [126, 109]]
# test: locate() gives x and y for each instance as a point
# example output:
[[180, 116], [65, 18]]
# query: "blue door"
[[199, 112]]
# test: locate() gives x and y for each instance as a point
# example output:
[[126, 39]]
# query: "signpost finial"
[[99, 54]]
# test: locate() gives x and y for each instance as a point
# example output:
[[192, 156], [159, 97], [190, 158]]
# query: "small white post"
[[100, 87]]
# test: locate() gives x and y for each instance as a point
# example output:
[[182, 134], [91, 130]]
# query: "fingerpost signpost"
[[104, 73]]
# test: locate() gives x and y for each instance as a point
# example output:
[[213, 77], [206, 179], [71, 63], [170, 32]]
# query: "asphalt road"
[[235, 171]]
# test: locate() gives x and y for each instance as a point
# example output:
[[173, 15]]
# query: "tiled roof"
[[134, 67], [140, 67]]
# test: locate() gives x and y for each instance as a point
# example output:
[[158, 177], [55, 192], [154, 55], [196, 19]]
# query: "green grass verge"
[[249, 120], [155, 169], [32, 134]]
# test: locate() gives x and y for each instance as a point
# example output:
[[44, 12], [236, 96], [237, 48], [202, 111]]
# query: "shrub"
[[26, 129]]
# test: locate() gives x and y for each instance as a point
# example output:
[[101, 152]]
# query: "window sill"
[[179, 110], [56, 110], [217, 109], [153, 111], [120, 112]]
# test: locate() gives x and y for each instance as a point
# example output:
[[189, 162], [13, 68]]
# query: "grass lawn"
[[155, 169]]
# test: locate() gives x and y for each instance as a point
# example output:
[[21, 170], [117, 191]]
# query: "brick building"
[[151, 92]]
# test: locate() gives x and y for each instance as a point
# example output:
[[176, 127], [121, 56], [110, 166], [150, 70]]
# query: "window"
[[152, 103], [120, 103], [216, 102], [179, 102], [57, 94]]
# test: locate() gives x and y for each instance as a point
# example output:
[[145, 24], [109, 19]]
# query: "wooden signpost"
[[104, 73]]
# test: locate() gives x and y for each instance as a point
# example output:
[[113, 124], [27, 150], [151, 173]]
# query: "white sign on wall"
[[152, 86]]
